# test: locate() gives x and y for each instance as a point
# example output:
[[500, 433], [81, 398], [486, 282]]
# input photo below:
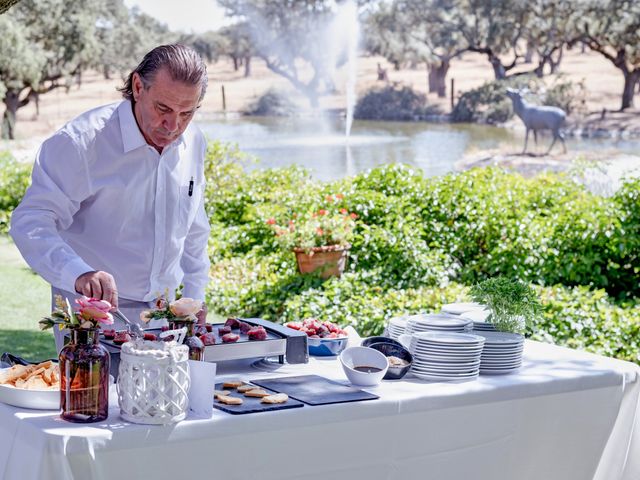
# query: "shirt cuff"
[[71, 272]]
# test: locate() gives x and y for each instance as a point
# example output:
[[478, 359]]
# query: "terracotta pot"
[[330, 259]]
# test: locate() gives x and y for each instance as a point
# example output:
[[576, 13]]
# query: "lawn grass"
[[24, 299]]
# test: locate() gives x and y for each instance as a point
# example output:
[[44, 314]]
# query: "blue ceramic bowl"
[[326, 347], [392, 350], [371, 340]]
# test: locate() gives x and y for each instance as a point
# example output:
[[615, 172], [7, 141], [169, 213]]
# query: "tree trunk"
[[247, 66], [438, 77], [498, 69], [235, 63], [555, 64], [106, 72], [11, 102], [528, 56], [630, 80]]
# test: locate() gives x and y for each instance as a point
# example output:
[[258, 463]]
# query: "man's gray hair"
[[182, 63]]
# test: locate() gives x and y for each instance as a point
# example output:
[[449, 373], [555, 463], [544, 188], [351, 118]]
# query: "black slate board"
[[252, 404], [315, 390]]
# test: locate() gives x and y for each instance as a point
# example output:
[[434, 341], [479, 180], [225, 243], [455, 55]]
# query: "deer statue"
[[538, 118]]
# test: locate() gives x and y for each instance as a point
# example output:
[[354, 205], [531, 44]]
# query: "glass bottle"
[[84, 377]]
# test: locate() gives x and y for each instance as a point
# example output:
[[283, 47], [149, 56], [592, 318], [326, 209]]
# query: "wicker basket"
[[153, 382]]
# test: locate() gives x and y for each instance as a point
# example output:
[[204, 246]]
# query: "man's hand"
[[100, 285], [202, 314]]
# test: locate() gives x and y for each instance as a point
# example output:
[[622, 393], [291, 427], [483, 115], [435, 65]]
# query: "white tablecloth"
[[565, 415]]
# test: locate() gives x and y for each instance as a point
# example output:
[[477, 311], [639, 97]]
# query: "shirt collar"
[[132, 137]]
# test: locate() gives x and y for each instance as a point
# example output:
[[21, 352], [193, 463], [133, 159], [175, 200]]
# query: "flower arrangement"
[[181, 310], [331, 225], [89, 313]]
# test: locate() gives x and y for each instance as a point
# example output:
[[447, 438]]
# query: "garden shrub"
[[393, 103], [15, 177], [421, 242], [273, 103]]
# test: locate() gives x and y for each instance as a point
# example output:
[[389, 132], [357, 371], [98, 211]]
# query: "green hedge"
[[15, 177], [421, 242]]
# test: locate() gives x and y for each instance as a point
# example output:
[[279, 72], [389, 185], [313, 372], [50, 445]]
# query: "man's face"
[[164, 110]]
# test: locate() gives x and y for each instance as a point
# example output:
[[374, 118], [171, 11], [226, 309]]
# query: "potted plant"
[[512, 303], [319, 238], [84, 362]]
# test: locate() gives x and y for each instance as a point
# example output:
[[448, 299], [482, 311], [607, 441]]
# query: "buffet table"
[[565, 415]]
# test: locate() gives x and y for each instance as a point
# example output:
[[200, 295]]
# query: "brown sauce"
[[366, 369]]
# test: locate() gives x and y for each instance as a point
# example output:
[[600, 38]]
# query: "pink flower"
[[185, 307], [94, 309], [271, 221]]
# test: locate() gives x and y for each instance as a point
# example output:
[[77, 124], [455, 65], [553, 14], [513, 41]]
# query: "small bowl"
[[370, 340], [392, 350], [326, 347], [354, 357]]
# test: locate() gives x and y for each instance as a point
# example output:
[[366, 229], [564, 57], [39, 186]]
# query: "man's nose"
[[171, 122]]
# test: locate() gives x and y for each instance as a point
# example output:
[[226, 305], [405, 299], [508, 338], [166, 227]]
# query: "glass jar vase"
[[196, 347], [84, 377]]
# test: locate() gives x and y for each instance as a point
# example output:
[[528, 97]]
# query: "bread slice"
[[256, 392], [277, 398], [230, 400]]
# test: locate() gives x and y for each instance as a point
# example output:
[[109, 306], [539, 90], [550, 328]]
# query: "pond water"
[[321, 146]]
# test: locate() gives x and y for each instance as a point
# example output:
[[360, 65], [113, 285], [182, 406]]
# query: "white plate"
[[449, 338], [502, 338], [461, 307], [37, 399], [443, 378]]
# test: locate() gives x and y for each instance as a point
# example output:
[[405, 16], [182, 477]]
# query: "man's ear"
[[136, 85]]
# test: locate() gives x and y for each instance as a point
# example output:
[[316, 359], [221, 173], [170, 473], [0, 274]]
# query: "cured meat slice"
[[233, 323], [230, 338], [257, 333]]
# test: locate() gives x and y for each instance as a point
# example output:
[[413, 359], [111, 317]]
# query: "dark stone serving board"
[[315, 390], [252, 404]]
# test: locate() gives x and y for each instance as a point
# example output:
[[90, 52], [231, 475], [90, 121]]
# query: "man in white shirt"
[[116, 206]]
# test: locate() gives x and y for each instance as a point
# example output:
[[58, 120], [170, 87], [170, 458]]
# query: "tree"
[[58, 39], [125, 36], [612, 28], [236, 43], [550, 27], [493, 28], [292, 37], [6, 5]]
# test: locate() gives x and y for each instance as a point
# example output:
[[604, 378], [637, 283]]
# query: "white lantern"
[[153, 382]]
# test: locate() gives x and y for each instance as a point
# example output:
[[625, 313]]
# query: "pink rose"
[[185, 307], [93, 309]]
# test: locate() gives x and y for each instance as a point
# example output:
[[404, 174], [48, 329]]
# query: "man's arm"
[[59, 183]]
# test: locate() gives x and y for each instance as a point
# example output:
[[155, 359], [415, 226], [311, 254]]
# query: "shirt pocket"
[[188, 202]]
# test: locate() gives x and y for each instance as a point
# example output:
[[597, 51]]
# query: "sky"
[[192, 16]]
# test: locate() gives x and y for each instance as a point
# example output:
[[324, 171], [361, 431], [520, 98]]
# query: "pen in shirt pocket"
[[191, 187]]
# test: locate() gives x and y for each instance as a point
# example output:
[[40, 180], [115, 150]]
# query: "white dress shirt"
[[101, 198]]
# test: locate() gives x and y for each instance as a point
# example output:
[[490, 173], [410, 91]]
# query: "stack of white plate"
[[479, 319], [502, 352], [437, 322], [440, 356], [396, 327]]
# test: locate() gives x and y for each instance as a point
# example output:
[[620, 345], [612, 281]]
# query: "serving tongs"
[[134, 329]]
